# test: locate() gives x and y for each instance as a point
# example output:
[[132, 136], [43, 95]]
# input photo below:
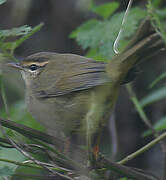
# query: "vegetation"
[[97, 37]]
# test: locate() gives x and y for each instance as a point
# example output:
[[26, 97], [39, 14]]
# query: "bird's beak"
[[15, 65]]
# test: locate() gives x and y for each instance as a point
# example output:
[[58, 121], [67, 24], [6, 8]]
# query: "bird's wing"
[[80, 74]]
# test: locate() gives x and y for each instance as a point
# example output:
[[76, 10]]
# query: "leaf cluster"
[[158, 16], [12, 38], [98, 35], [22, 33]]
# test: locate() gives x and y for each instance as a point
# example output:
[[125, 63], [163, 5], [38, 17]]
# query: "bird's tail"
[[143, 45]]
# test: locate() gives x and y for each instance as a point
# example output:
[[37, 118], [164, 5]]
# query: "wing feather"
[[77, 74]]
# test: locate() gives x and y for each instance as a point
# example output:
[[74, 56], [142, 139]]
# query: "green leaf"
[[6, 171], [106, 10], [15, 31], [157, 23], [7, 45], [157, 3], [158, 79], [9, 154], [154, 96], [84, 27], [101, 35], [19, 114], [161, 13], [24, 31], [28, 35], [93, 53], [2, 1], [159, 126]]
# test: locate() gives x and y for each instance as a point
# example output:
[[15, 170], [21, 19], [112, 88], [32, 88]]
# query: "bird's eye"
[[33, 67]]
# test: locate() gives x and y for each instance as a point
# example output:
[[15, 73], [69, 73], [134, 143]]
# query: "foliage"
[[158, 79], [159, 126], [7, 169], [99, 35], [154, 96], [21, 33], [157, 3], [158, 17], [105, 10], [2, 1], [23, 30], [19, 114], [10, 39]]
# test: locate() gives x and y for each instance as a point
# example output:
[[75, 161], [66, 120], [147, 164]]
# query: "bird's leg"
[[96, 146]]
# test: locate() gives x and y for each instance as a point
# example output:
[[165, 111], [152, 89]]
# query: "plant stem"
[[144, 117], [20, 163], [43, 137], [124, 170], [158, 25], [143, 149], [58, 170], [139, 108]]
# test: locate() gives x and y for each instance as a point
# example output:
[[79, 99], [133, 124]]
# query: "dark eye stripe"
[[33, 67]]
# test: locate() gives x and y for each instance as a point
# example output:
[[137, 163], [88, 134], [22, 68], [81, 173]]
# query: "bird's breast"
[[73, 112]]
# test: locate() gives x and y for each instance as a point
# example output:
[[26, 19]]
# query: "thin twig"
[[21, 150], [147, 122], [34, 176], [20, 163], [29, 132], [143, 149], [44, 166], [5, 141], [6, 146], [32, 165], [159, 27], [139, 109], [124, 170], [44, 138]]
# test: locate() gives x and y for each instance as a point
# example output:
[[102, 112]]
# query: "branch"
[[44, 138], [143, 149], [5, 141], [139, 108], [147, 122], [34, 176], [29, 132], [20, 163], [124, 170]]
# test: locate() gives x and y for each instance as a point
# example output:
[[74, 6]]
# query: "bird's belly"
[[81, 112], [59, 115]]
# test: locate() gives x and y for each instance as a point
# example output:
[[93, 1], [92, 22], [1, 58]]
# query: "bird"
[[73, 96]]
